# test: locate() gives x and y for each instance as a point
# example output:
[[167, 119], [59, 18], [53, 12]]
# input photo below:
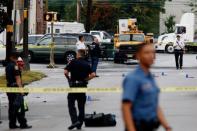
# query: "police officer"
[[81, 73], [141, 111], [179, 49], [13, 77], [95, 52]]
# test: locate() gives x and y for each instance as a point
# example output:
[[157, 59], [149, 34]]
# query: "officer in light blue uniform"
[[141, 89], [140, 100]]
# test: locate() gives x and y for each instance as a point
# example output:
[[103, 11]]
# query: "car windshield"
[[95, 33], [33, 39], [45, 41], [131, 37]]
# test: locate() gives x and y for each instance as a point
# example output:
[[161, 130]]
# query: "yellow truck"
[[128, 39]]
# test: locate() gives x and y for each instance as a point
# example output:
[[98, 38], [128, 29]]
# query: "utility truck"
[[127, 40]]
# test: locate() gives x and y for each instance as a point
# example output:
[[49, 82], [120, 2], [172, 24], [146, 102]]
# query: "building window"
[[57, 30], [49, 30]]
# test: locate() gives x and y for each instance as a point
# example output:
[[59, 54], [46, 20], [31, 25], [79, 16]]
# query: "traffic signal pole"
[[52, 61], [25, 36], [9, 30]]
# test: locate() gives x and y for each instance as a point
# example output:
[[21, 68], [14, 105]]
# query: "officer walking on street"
[[179, 49], [140, 102], [95, 52], [16, 101], [80, 73]]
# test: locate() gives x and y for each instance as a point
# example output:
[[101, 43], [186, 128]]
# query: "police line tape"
[[86, 90]]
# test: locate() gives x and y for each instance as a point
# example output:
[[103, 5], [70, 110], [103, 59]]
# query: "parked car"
[[88, 37], [64, 49], [32, 39], [102, 36]]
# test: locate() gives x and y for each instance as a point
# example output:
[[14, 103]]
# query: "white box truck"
[[66, 27], [185, 29]]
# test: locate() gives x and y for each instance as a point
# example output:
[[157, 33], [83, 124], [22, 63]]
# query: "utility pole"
[[9, 30], [88, 16], [25, 35], [78, 11]]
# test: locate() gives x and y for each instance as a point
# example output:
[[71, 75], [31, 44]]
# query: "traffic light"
[[56, 17], [48, 17], [51, 16]]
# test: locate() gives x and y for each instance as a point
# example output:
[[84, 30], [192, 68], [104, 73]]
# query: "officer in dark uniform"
[[80, 73], [16, 111], [95, 52], [140, 102]]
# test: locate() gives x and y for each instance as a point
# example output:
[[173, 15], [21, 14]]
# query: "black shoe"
[[97, 76], [14, 127], [75, 125], [26, 127], [181, 68], [79, 127]]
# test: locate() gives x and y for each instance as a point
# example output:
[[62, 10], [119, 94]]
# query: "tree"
[[170, 24], [193, 5], [105, 14]]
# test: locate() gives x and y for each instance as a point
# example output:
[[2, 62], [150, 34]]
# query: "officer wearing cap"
[[80, 73], [16, 106], [179, 49], [140, 105]]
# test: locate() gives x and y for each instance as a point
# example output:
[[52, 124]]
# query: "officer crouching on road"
[[81, 73], [140, 102], [16, 102]]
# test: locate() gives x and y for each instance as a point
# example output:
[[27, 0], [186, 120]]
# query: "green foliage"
[[170, 24], [193, 5], [105, 14]]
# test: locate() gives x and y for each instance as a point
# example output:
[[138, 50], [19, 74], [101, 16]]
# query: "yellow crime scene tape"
[[86, 90]]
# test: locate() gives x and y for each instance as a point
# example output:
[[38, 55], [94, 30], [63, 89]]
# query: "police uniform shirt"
[[141, 90], [179, 45], [95, 50], [12, 71], [80, 45], [79, 69]]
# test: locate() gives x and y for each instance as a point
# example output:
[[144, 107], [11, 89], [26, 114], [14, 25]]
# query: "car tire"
[[169, 49], [69, 57]]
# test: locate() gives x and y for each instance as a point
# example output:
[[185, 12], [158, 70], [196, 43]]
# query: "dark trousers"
[[178, 58], [81, 100], [94, 61], [152, 125], [14, 113]]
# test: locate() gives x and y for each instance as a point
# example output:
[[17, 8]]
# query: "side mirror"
[[38, 44]]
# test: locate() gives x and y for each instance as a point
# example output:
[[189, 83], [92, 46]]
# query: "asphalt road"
[[48, 112]]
